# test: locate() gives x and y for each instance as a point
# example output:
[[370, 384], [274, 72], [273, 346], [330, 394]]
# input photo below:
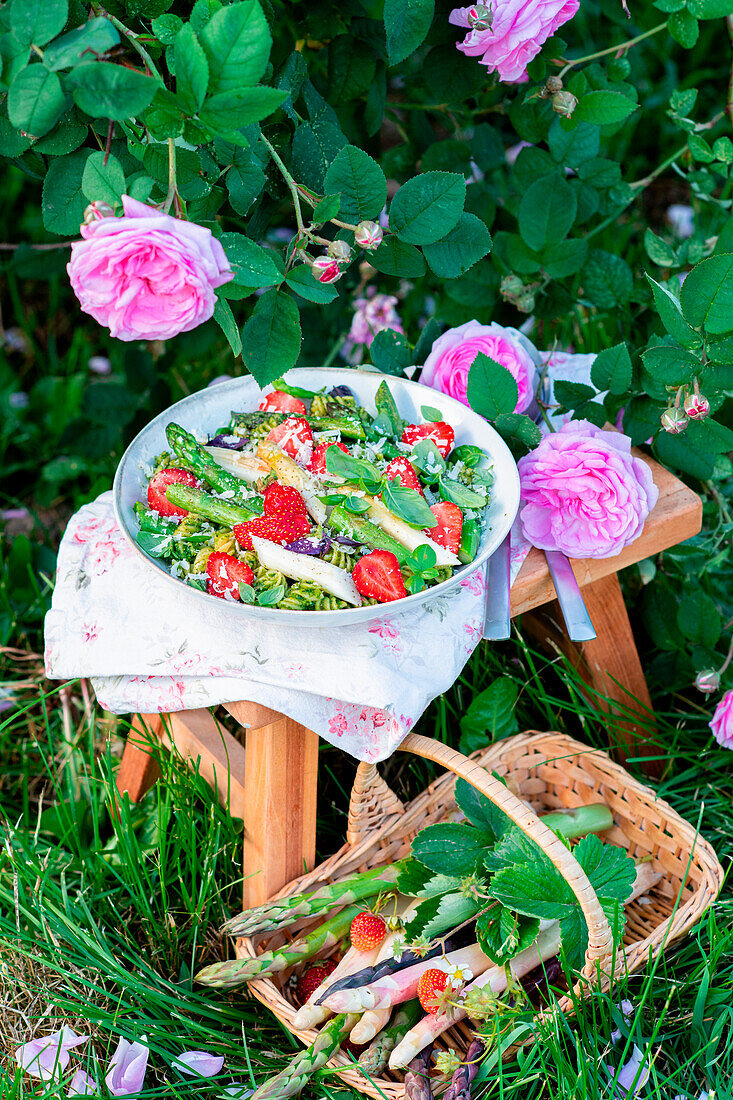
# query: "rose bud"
[[339, 251], [480, 17], [564, 103], [325, 269], [525, 302], [368, 235], [707, 681], [674, 420], [97, 210], [697, 406], [553, 84], [510, 287]]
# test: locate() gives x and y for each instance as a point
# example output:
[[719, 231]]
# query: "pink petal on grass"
[[199, 1063], [81, 1085], [48, 1056], [633, 1075], [126, 1071]]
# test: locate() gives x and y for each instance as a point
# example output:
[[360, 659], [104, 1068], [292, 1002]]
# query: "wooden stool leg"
[[612, 656], [138, 770], [280, 779]]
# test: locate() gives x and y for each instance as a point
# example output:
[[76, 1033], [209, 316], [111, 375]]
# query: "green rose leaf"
[[326, 209], [253, 266], [546, 212], [564, 258], [698, 618], [427, 207], [492, 389], [271, 338], [300, 279], [607, 279], [671, 316], [360, 182], [98, 35], [37, 21], [407, 23], [573, 147], [671, 365], [225, 320], [103, 90], [460, 249], [707, 302], [229, 111], [394, 257], [518, 426], [64, 201], [192, 69], [103, 182], [36, 100], [351, 69], [683, 27], [166, 27], [604, 107], [710, 9], [658, 251], [572, 394], [244, 182], [237, 42], [612, 370], [686, 452], [490, 716], [391, 352]]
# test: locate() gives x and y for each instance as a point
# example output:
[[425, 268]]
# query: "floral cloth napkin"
[[149, 646]]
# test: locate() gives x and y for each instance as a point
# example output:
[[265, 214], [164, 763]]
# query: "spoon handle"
[[575, 613], [497, 621]]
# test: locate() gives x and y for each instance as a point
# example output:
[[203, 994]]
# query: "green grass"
[[104, 918]]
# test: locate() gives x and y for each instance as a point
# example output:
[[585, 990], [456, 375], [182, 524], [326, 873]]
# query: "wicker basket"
[[544, 771]]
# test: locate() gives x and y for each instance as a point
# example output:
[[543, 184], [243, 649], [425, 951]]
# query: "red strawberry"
[[311, 978], [280, 528], [294, 436], [432, 984], [450, 525], [278, 401], [284, 500], [367, 931], [441, 434], [158, 485], [378, 575], [225, 572], [403, 469], [318, 462]]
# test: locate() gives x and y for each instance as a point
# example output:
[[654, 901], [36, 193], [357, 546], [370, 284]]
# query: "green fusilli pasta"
[[302, 596], [268, 578], [198, 565], [339, 558], [330, 603], [224, 540]]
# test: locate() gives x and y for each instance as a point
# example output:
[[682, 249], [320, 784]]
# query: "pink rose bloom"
[[584, 493], [519, 28], [446, 368], [371, 315], [722, 721], [147, 276]]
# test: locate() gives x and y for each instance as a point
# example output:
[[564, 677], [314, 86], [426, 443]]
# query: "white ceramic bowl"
[[210, 409]]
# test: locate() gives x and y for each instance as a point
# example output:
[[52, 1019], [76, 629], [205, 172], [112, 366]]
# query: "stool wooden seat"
[[275, 793]]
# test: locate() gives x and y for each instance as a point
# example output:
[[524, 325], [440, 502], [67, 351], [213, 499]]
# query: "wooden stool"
[[275, 794]]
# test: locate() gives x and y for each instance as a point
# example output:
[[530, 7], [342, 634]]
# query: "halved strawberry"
[[403, 469], [284, 500], [447, 533], [281, 528], [278, 401], [378, 575], [224, 573], [294, 436], [158, 485], [318, 461], [440, 432]]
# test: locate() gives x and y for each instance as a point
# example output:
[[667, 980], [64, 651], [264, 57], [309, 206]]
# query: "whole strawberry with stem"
[[436, 992], [367, 931]]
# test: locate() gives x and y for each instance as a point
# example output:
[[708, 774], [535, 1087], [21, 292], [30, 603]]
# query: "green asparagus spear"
[[353, 526], [293, 1079], [203, 465], [202, 504], [374, 1059], [349, 426], [283, 911], [236, 971], [470, 538]]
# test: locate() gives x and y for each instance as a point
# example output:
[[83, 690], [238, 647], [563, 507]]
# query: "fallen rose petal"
[[633, 1075], [199, 1063], [126, 1070], [238, 1092], [48, 1056], [82, 1084]]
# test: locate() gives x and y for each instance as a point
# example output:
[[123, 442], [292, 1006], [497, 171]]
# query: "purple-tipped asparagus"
[[462, 1079], [417, 1078]]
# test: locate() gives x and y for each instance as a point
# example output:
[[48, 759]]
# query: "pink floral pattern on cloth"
[[150, 646]]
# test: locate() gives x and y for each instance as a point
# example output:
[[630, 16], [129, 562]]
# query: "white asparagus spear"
[[545, 946], [393, 989], [246, 467], [302, 567], [409, 537], [290, 473], [376, 1018], [311, 1014]]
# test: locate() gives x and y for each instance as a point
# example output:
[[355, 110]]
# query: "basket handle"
[[600, 938]]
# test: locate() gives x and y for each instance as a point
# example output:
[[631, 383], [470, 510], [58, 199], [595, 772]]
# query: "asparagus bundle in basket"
[[375, 1058], [294, 1078]]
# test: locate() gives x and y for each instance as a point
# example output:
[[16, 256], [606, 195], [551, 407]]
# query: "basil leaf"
[[408, 505], [432, 414], [460, 495], [353, 469], [271, 596], [355, 504], [197, 582], [467, 454], [246, 593], [424, 558], [155, 543], [428, 459]]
